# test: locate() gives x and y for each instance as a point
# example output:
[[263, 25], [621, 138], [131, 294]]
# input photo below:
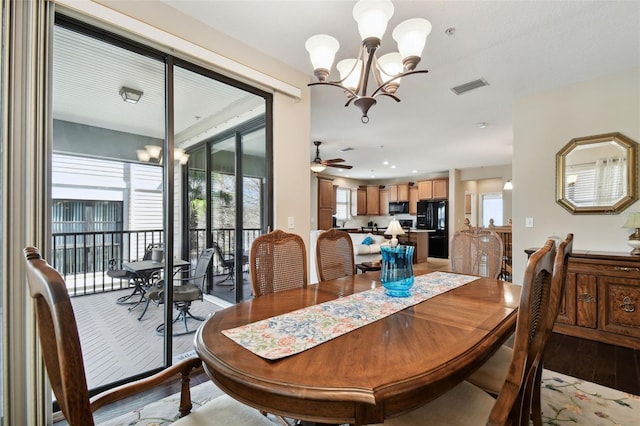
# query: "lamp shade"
[[411, 36], [322, 49], [633, 221], [394, 228], [372, 17], [390, 65], [349, 70], [508, 186], [317, 167]]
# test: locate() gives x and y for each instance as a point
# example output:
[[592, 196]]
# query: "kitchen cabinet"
[[393, 193], [602, 298], [425, 190], [403, 192], [433, 189], [326, 203], [359, 202], [420, 240], [384, 202], [413, 200], [373, 200]]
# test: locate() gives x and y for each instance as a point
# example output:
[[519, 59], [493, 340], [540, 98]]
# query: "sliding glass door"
[[134, 134]]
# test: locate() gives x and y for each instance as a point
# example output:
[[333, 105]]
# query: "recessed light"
[[385, 162], [414, 171], [482, 125], [393, 166]]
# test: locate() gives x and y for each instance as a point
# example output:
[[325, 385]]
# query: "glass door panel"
[[107, 204]]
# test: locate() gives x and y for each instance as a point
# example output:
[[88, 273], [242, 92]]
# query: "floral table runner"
[[297, 331]]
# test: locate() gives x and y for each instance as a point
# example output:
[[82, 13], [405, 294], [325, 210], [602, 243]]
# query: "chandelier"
[[372, 17]]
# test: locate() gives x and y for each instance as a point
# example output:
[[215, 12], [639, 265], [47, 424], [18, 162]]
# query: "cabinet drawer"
[[605, 267], [619, 306]]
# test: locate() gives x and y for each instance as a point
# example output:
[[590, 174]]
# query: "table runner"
[[297, 331]]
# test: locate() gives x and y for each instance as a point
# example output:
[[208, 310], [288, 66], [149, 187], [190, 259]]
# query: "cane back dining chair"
[[476, 252], [278, 261], [334, 255], [467, 404], [62, 352], [190, 289], [491, 375]]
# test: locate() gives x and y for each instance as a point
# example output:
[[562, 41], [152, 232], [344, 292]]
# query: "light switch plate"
[[528, 222], [290, 222]]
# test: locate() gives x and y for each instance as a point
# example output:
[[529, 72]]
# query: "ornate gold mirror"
[[597, 174]]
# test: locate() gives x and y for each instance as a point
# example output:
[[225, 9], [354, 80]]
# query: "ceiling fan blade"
[[334, 160], [340, 166]]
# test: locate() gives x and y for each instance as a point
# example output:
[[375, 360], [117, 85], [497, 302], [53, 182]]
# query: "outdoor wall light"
[[129, 95], [153, 154]]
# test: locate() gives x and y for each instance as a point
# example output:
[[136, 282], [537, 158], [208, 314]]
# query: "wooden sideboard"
[[602, 298]]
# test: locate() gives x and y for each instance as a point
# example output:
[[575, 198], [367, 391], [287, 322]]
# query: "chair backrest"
[[225, 262], [278, 261], [542, 288], [59, 339], [334, 255], [202, 266], [476, 252]]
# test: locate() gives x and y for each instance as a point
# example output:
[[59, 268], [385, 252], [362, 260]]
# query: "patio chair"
[[228, 264], [467, 404], [278, 261], [190, 290], [334, 255], [140, 282]]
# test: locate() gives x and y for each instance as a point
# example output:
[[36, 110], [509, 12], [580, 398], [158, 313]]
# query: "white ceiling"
[[519, 47]]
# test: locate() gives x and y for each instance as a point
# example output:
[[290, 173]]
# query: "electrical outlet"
[[528, 222], [290, 222]]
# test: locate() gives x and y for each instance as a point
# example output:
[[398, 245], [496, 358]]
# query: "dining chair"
[[476, 252], [228, 263], [334, 255], [190, 289], [492, 374], [62, 352], [467, 404], [278, 261]]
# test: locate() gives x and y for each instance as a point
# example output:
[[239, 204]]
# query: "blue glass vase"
[[397, 270]]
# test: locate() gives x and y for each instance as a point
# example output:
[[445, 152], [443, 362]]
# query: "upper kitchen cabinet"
[[413, 200], [384, 202], [403, 192], [373, 200], [358, 202], [433, 189]]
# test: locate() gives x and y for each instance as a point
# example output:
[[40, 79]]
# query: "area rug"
[[565, 401]]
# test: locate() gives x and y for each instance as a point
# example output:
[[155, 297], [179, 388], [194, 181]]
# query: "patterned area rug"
[[565, 401]]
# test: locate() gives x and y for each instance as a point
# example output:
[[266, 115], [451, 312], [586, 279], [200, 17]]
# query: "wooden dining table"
[[382, 369]]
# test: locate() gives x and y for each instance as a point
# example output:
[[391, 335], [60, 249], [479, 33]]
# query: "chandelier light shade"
[[372, 17], [317, 167]]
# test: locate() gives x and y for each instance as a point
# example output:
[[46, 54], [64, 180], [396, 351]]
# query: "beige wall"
[[543, 124], [291, 116]]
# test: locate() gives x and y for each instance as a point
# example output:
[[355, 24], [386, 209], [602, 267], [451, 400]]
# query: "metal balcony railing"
[[82, 258]]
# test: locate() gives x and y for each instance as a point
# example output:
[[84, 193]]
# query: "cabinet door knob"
[[627, 306]]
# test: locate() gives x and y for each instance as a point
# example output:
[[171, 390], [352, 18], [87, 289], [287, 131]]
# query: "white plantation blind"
[[343, 197], [602, 182]]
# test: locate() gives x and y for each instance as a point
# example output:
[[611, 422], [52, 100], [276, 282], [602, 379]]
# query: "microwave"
[[397, 208]]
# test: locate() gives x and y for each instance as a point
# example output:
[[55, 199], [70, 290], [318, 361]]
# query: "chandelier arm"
[[364, 77], [334, 83], [404, 74], [394, 97], [376, 73]]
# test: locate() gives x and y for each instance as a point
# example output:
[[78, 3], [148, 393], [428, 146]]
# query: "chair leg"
[[183, 314]]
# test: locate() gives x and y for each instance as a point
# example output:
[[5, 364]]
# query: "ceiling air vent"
[[346, 149], [459, 90]]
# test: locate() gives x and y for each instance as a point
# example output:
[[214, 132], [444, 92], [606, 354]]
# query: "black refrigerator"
[[434, 215]]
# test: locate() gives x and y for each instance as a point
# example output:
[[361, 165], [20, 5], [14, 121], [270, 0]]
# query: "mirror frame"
[[632, 194]]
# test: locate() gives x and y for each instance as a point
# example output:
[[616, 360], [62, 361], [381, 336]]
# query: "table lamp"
[[394, 229], [633, 221]]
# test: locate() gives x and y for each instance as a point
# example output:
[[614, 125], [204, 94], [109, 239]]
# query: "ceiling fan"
[[318, 165]]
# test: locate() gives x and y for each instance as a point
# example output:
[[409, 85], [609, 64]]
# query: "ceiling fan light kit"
[[318, 165], [372, 17]]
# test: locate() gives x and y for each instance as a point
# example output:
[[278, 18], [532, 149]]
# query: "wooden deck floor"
[[116, 345]]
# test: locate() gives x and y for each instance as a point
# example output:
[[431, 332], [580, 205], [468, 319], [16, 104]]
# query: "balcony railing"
[[82, 258]]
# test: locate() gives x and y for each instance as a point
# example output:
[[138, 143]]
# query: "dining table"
[[384, 367]]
